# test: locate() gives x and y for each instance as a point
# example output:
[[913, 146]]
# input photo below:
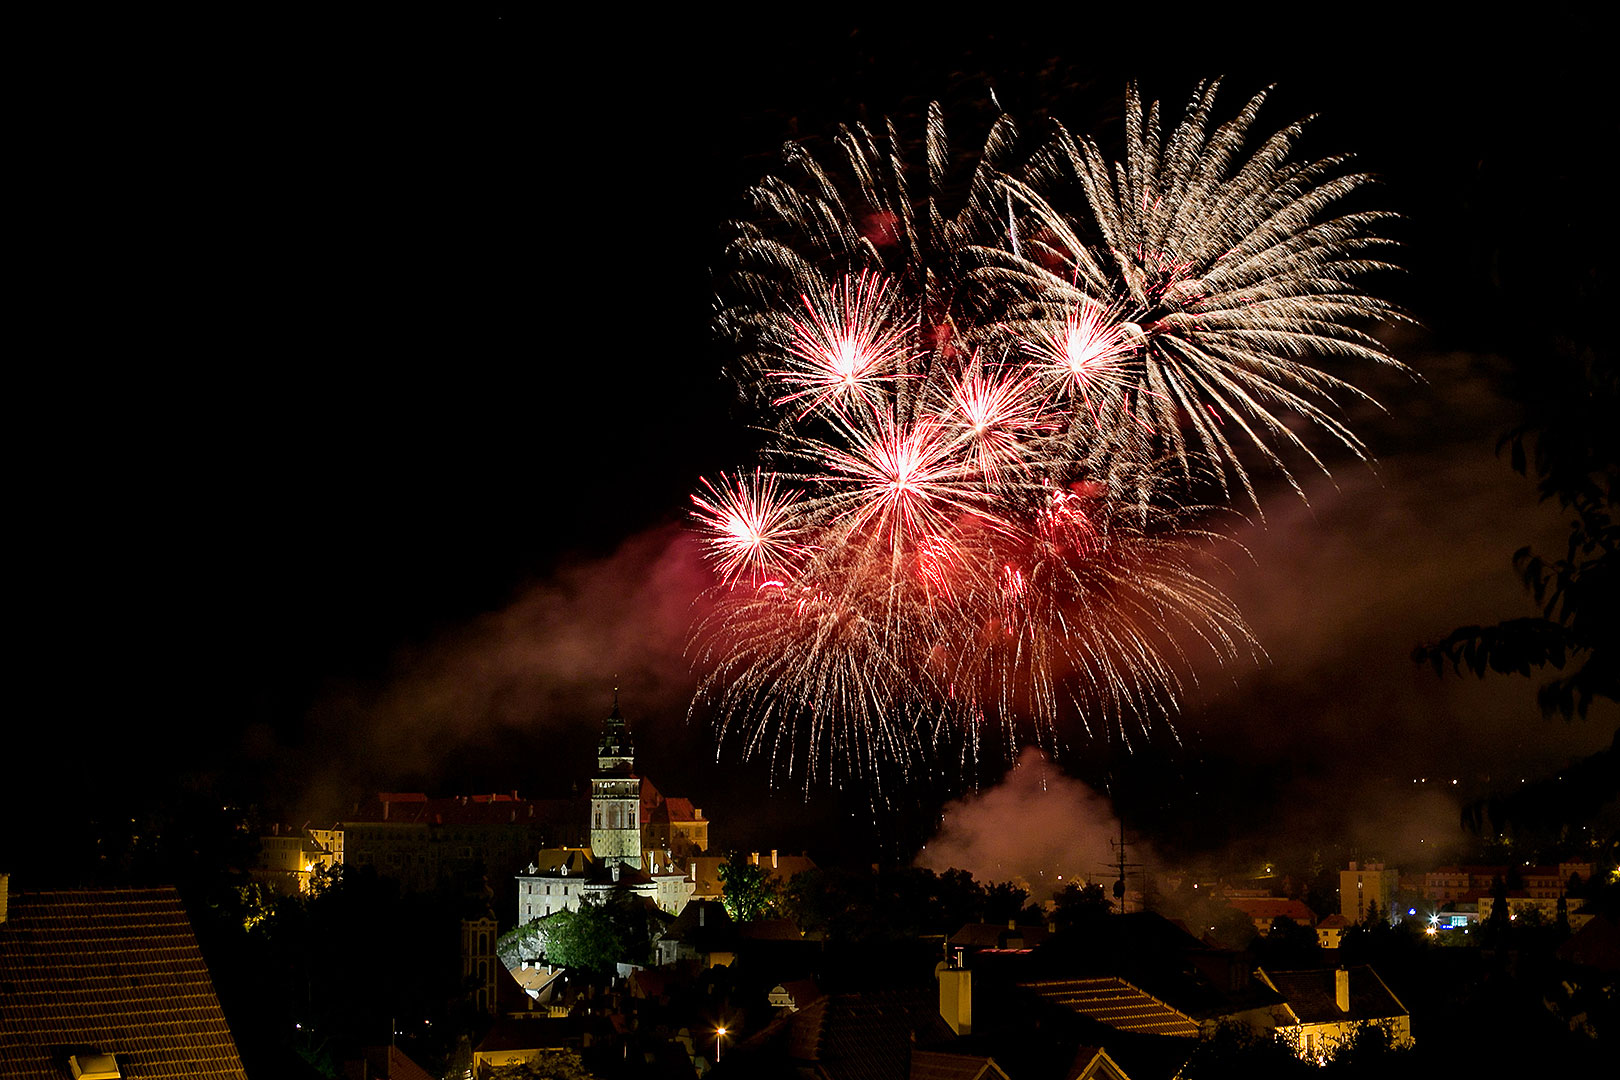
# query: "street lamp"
[[719, 1034]]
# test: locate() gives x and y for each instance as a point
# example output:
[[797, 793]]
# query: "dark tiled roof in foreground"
[[1116, 1003], [867, 1036], [114, 969]]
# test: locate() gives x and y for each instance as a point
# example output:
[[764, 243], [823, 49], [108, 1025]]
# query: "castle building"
[[640, 841], [616, 795]]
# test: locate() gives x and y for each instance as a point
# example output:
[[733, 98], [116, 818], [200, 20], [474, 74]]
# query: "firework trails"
[[995, 429]]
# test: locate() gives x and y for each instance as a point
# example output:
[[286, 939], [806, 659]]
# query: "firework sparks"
[[747, 525], [988, 422], [847, 344]]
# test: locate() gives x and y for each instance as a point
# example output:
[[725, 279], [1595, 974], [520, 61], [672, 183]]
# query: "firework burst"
[[987, 421]]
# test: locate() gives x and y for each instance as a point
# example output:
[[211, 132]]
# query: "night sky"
[[366, 373]]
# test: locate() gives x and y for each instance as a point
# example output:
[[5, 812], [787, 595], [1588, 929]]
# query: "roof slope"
[[937, 1065], [1116, 1003], [114, 969], [865, 1036], [1312, 995]]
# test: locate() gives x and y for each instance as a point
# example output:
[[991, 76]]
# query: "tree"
[[749, 893], [1080, 904], [586, 939], [1004, 902], [1287, 945], [548, 1065], [1569, 443]]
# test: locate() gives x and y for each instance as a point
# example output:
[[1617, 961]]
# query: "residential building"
[[1324, 1007], [1265, 910], [291, 859], [1368, 888], [1330, 931]]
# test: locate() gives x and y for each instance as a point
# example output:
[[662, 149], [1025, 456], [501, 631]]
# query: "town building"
[[780, 869], [1325, 1007], [1330, 931], [420, 841], [1265, 910], [292, 860], [1369, 888], [641, 841]]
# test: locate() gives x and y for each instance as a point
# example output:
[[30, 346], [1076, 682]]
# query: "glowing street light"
[[719, 1034]]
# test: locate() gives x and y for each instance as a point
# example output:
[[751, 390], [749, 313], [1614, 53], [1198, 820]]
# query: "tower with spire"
[[616, 794]]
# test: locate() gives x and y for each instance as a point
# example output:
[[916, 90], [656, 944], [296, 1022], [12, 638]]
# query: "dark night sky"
[[367, 372]]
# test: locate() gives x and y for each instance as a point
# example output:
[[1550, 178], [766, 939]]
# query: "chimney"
[[753, 858], [1353, 865], [773, 858], [1341, 989], [694, 870], [956, 999]]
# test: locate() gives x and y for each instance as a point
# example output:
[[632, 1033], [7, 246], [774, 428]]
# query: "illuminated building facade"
[[1367, 887], [640, 841], [616, 795]]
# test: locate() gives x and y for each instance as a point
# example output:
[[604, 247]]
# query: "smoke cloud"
[[1038, 828], [534, 678]]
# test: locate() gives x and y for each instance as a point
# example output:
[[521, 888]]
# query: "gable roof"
[[1311, 995], [114, 969], [937, 1065], [384, 1063], [1093, 1063]]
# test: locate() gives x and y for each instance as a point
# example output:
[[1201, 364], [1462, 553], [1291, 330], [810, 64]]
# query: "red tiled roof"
[[414, 808], [1272, 907], [116, 969]]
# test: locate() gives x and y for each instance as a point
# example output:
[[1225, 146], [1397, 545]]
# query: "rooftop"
[[114, 969], [1310, 995]]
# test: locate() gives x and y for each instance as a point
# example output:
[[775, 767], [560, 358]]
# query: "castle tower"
[[616, 795]]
